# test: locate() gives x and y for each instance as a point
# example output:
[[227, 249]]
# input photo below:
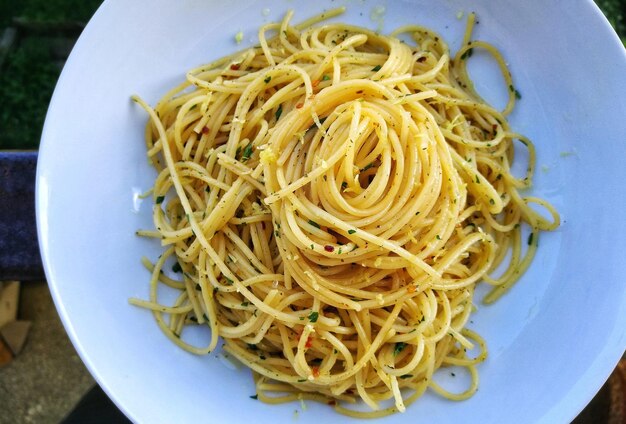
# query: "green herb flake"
[[399, 347], [325, 78], [176, 267], [160, 200], [279, 112], [405, 376], [313, 316], [530, 239], [247, 153], [313, 223], [255, 397], [515, 92], [351, 231], [244, 304], [267, 79], [229, 281], [368, 166], [468, 53], [376, 68]]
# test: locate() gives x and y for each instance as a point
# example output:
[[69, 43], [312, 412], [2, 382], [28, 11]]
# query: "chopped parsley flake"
[[468, 53], [239, 37], [313, 316], [399, 347], [247, 153]]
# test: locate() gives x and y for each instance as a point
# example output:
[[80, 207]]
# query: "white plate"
[[553, 340]]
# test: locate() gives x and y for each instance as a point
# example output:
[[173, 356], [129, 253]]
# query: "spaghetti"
[[332, 197]]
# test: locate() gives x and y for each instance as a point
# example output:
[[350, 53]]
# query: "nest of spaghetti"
[[331, 198]]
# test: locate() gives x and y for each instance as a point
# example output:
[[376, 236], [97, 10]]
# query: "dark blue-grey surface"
[[19, 250]]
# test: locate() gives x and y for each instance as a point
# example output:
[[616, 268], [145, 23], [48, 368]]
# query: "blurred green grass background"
[[30, 68]]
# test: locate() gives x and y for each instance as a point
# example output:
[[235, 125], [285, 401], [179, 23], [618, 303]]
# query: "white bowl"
[[553, 340]]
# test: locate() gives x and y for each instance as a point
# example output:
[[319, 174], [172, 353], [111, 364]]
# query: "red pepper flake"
[[410, 289], [205, 130], [299, 105], [235, 66], [315, 83], [315, 371], [332, 402], [494, 127], [329, 248], [309, 340]]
